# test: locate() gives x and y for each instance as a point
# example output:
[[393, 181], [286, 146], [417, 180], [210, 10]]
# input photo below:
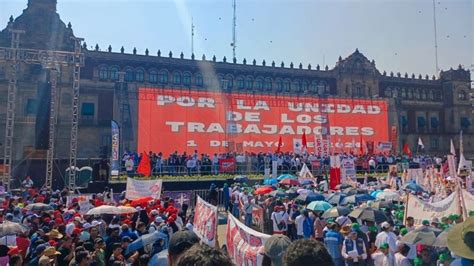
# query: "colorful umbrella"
[[343, 186], [277, 194], [270, 181], [146, 240], [319, 205], [38, 207], [241, 179], [104, 209], [368, 214], [335, 198], [375, 193], [10, 228], [413, 187], [286, 176], [356, 199], [289, 182], [335, 212], [309, 197], [442, 240], [126, 209], [379, 204], [263, 190]]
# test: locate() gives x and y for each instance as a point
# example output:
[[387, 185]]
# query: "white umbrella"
[[104, 209], [126, 209], [388, 195]]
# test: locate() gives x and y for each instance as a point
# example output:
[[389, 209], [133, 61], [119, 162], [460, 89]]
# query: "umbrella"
[[104, 209], [413, 186], [309, 197], [11, 228], [126, 209], [368, 214], [442, 240], [286, 176], [263, 190], [419, 237], [375, 193], [277, 194], [319, 205], [335, 198], [241, 179], [343, 186], [289, 182], [382, 186], [145, 240], [141, 201], [291, 193], [388, 195], [38, 207], [356, 199], [307, 182], [350, 191], [335, 212], [303, 191], [379, 204], [270, 181]]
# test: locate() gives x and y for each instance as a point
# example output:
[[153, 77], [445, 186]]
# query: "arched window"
[[410, 93], [279, 85], [114, 73], [103, 73], [424, 95], [248, 83], [359, 91], [287, 85], [388, 92], [139, 75], [259, 83], [304, 86], [230, 82], [128, 74], [431, 96], [416, 94], [187, 78], [314, 86], [163, 76], [153, 76], [462, 95], [240, 83], [268, 84], [404, 93], [198, 80], [177, 78]]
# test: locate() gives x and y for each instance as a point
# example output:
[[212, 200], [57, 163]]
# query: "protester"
[[203, 255], [307, 252], [274, 249], [353, 250]]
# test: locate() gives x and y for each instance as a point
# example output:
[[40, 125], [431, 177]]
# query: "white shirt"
[[236, 195], [248, 207], [381, 260], [412, 253], [401, 260], [389, 238], [354, 244], [129, 164], [70, 228], [277, 217], [299, 220]]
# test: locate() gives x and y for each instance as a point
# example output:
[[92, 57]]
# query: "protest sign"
[[205, 222], [179, 197], [82, 200], [227, 165], [468, 199], [257, 218], [244, 245], [421, 210], [305, 174], [348, 170], [143, 188]]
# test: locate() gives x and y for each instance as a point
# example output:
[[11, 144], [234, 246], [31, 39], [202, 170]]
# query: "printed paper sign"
[[143, 188], [421, 210], [244, 245], [205, 222]]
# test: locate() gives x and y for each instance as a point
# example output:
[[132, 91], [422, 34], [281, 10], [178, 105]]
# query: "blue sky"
[[398, 35]]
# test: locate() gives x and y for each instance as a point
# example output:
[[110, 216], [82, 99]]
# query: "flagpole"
[[406, 210]]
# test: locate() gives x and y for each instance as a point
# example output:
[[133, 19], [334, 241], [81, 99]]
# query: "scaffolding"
[[51, 60]]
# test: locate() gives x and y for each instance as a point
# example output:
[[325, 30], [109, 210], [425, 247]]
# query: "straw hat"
[[345, 229], [461, 239], [54, 234]]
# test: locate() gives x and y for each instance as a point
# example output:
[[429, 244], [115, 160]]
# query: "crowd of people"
[[248, 162], [41, 227]]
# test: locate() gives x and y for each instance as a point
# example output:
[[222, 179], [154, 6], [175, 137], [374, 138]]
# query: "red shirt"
[[22, 243]]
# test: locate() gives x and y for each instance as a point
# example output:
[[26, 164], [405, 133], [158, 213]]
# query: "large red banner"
[[215, 122]]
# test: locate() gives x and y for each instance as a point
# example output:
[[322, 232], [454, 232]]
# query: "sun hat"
[[345, 229], [461, 239], [54, 234], [274, 248], [51, 251]]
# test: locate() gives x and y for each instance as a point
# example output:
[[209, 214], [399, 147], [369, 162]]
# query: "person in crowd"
[[274, 249], [307, 252], [401, 256], [279, 218], [386, 236], [204, 255], [333, 241], [383, 256], [353, 250], [319, 225], [248, 209]]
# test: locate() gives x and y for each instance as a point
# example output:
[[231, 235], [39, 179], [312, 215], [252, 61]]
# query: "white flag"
[[420, 143], [462, 163], [305, 174], [452, 150], [297, 146]]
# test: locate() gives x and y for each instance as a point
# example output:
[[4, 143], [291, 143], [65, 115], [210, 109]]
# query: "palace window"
[[249, 83], [287, 86], [388, 92], [259, 83], [305, 86], [240, 83], [153, 76], [314, 87], [187, 78], [139, 75], [434, 123], [114, 73], [421, 123], [410, 93], [268, 84], [177, 78], [434, 143], [87, 111], [103, 73], [31, 107], [163, 77], [465, 123], [198, 80], [462, 95], [279, 85], [128, 74]]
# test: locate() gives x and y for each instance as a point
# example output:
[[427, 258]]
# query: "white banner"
[[243, 243], [143, 188], [297, 146], [415, 175], [205, 222], [452, 166], [321, 146], [82, 200], [421, 210], [305, 174], [348, 170], [468, 200]]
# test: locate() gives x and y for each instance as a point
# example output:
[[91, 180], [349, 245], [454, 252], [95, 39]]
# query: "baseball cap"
[[425, 222], [40, 248], [126, 239], [384, 246], [181, 241], [275, 246], [159, 220], [403, 231], [385, 225]]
